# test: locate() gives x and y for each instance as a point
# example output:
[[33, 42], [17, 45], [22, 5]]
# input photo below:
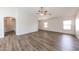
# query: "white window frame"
[[67, 24], [45, 24]]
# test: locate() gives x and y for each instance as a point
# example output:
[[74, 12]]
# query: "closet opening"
[[9, 26]]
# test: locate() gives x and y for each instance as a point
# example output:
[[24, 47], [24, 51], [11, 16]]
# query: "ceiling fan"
[[42, 12]]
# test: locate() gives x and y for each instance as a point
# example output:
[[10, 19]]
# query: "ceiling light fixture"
[[42, 12]]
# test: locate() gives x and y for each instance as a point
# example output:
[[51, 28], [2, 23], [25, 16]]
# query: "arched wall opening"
[[9, 25]]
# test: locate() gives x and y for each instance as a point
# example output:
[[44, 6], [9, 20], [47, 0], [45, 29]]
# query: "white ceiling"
[[59, 11]]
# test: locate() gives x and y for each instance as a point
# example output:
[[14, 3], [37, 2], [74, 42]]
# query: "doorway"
[[9, 25]]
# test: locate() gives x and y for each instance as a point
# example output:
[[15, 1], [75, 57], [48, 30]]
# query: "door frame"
[[14, 24]]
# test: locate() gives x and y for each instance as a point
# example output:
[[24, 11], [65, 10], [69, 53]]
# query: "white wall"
[[77, 25], [56, 24], [26, 22], [3, 13]]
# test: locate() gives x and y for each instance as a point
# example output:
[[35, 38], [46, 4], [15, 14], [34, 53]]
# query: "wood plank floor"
[[39, 41]]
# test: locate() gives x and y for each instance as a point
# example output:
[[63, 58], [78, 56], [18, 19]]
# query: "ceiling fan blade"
[[37, 13], [41, 8]]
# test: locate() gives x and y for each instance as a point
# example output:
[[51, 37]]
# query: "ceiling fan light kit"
[[43, 14], [42, 11]]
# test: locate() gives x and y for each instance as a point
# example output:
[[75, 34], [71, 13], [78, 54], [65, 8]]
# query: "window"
[[67, 25], [45, 24], [77, 24]]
